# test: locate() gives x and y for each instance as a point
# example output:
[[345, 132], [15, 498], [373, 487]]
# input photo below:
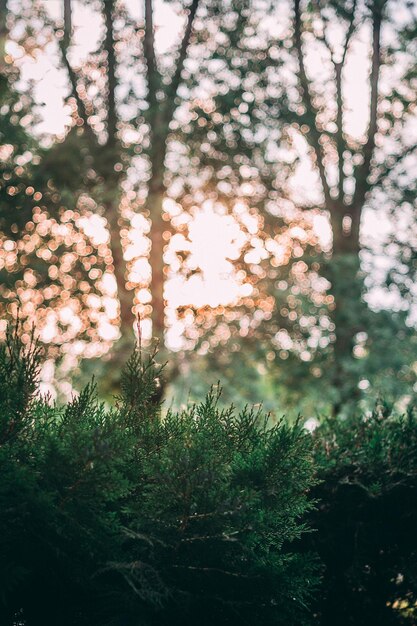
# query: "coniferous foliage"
[[61, 477], [366, 519], [129, 516], [219, 500]]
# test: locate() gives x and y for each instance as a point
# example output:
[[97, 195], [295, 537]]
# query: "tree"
[[162, 100], [90, 169], [47, 259], [351, 170], [105, 153], [156, 108], [320, 322]]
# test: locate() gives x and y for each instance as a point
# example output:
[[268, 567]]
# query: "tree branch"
[[176, 79], [313, 135], [350, 31], [339, 66], [214, 570], [338, 69], [64, 44], [67, 23], [363, 171], [111, 74], [340, 139], [3, 33], [161, 114], [152, 73]]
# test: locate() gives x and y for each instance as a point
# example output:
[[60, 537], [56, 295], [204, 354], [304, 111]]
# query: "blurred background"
[[233, 178]]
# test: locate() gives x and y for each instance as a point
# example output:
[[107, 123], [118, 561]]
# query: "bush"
[[62, 482], [367, 519], [126, 516]]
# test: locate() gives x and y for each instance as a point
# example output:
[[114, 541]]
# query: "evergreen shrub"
[[366, 519], [132, 515]]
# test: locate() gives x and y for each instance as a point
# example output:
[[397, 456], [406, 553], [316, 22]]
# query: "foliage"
[[366, 519], [126, 515], [312, 306], [123, 515], [256, 367], [61, 476], [229, 119], [46, 258], [219, 502]]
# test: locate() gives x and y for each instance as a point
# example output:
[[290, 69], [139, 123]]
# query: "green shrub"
[[367, 519], [62, 482], [218, 504], [127, 516]]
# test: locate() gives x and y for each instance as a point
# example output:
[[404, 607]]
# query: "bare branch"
[[3, 33], [64, 44], [67, 22], [81, 106], [152, 73], [161, 113], [339, 66], [363, 171], [176, 79], [313, 135], [111, 74], [340, 139]]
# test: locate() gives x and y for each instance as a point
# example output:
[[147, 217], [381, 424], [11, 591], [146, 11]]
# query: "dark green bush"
[[127, 516], [219, 500], [367, 520], [62, 482]]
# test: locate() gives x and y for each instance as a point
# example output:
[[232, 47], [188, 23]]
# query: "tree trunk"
[[3, 34], [108, 369], [154, 204], [124, 295], [343, 272], [112, 180]]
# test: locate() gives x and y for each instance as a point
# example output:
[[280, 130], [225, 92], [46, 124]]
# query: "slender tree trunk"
[[343, 270], [154, 204], [156, 259], [155, 199], [112, 181], [124, 295], [3, 33], [348, 308], [161, 114]]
